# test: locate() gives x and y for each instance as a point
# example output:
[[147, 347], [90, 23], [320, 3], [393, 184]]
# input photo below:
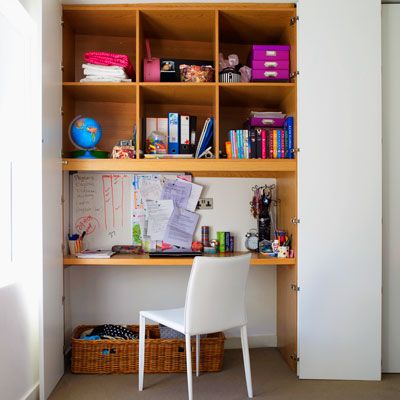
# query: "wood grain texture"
[[145, 260], [114, 92], [196, 165]]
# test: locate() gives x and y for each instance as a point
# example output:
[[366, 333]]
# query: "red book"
[[263, 144], [271, 144], [282, 143]]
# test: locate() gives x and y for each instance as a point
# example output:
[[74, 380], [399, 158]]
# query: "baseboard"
[[32, 394], [254, 341]]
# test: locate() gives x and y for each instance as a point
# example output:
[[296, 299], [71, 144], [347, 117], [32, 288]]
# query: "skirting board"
[[254, 341], [32, 394]]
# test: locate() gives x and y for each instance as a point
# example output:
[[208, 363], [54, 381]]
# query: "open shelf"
[[199, 167], [145, 260], [96, 30]]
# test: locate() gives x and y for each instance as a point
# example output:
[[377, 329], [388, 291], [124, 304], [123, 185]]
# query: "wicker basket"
[[161, 355]]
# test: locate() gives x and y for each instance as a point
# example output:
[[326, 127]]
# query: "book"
[[289, 126], [173, 133], [246, 143], [155, 156], [263, 144], [227, 241], [275, 153], [253, 147], [239, 134], [282, 143], [258, 142], [278, 143], [271, 143], [95, 254], [286, 144]]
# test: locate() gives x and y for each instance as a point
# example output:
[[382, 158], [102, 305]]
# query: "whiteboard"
[[102, 207]]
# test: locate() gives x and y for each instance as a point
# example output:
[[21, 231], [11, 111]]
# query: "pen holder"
[[75, 246]]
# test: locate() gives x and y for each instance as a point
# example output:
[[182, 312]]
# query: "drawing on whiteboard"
[[102, 205]]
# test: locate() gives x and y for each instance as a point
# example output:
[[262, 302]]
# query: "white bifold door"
[[391, 187], [339, 180]]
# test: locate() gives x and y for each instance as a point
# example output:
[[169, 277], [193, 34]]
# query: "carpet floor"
[[272, 380]]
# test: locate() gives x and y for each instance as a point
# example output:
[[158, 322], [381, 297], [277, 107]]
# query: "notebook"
[[95, 254]]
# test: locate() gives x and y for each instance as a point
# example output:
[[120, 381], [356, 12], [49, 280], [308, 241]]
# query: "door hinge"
[[294, 20], [63, 300], [295, 220], [294, 74], [294, 287], [294, 357], [61, 66], [62, 199], [61, 22], [61, 111]]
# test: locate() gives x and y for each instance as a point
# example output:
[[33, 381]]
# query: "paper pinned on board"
[[181, 227], [178, 191], [195, 194], [159, 213], [139, 223], [150, 189]]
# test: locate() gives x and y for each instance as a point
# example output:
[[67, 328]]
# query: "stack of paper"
[[95, 254]]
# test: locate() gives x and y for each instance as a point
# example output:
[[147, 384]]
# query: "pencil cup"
[[75, 246]]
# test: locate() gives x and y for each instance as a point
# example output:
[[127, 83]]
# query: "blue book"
[[289, 126], [173, 133], [278, 143], [206, 137], [240, 143]]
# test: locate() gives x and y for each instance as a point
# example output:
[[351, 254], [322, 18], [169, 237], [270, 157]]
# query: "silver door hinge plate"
[[294, 20], [295, 220], [294, 287], [294, 357]]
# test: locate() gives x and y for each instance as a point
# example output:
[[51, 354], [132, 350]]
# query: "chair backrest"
[[215, 297]]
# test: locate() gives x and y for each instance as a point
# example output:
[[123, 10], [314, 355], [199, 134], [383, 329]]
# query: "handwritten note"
[[158, 212], [195, 193], [178, 191], [150, 190], [180, 228]]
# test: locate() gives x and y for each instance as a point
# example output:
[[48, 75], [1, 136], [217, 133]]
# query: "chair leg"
[[142, 328], [189, 366], [197, 355], [246, 360]]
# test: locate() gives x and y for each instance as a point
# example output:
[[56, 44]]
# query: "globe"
[[85, 134]]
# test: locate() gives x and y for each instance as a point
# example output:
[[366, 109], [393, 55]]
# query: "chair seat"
[[173, 318]]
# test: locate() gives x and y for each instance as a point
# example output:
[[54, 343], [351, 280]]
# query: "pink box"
[[264, 64], [270, 52], [270, 75], [265, 122]]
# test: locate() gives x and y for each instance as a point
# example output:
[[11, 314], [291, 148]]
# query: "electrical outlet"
[[205, 204]]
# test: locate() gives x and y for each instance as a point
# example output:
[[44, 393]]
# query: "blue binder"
[[173, 133]]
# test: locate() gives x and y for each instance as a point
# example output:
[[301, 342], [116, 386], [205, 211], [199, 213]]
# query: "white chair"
[[215, 301]]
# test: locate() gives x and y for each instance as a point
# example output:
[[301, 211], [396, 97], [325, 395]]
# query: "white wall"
[[116, 295]]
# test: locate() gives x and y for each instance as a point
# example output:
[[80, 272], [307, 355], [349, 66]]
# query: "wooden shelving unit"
[[145, 260], [186, 31]]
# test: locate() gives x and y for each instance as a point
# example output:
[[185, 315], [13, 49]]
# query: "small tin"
[[205, 236]]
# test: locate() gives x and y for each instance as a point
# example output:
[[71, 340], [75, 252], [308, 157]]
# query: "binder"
[[289, 127], [173, 133], [206, 137], [188, 124]]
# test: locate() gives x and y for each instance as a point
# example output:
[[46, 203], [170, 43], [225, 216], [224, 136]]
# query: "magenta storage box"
[[267, 122], [270, 52], [269, 75], [276, 64]]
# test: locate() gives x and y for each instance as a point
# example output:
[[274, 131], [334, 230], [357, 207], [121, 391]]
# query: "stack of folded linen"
[[107, 67]]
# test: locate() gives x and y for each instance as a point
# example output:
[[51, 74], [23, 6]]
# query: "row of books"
[[277, 143], [176, 135]]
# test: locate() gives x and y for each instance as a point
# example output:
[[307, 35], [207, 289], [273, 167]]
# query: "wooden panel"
[[68, 52], [93, 21], [101, 92], [180, 6], [183, 25], [195, 165], [179, 93], [145, 260], [116, 119], [114, 44], [261, 27]]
